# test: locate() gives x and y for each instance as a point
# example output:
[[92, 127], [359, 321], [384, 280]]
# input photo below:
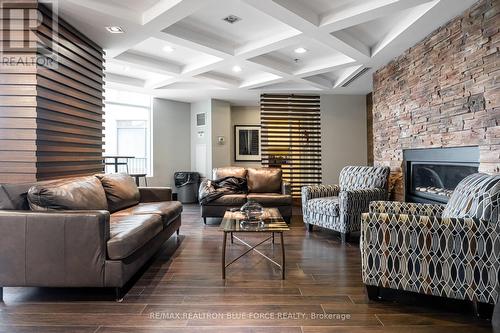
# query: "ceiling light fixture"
[[237, 69], [231, 19], [167, 48], [300, 50], [114, 29]]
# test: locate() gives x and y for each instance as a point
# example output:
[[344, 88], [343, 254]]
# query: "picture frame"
[[247, 143]]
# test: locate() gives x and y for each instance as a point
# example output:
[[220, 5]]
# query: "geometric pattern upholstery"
[[398, 207], [428, 254], [324, 206], [476, 196], [356, 177], [339, 208]]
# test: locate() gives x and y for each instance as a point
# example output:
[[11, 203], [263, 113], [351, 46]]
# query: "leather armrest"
[[155, 194], [53, 248]]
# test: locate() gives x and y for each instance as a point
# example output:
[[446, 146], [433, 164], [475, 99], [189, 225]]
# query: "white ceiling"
[[342, 37]]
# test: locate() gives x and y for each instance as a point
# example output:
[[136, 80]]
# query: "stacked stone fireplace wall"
[[443, 92]]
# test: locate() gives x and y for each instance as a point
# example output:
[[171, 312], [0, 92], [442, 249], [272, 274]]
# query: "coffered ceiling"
[[184, 50]]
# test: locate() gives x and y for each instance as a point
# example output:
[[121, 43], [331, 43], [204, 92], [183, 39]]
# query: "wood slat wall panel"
[[51, 119], [291, 137], [70, 105]]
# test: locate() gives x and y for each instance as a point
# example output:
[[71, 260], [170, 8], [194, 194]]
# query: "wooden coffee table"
[[273, 223]]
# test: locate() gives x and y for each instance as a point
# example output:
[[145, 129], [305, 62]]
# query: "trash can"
[[187, 183]]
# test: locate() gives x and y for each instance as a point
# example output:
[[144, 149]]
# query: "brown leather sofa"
[[265, 186], [94, 231]]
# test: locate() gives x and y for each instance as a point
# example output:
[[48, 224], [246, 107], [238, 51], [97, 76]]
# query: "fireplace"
[[432, 174]]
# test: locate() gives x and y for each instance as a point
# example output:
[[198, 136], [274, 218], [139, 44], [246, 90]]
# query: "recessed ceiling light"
[[236, 69], [114, 29], [231, 19], [300, 50], [167, 48]]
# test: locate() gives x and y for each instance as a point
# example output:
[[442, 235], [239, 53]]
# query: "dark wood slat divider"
[[291, 137], [51, 119]]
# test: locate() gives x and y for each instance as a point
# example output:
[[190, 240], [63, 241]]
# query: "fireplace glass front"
[[432, 174], [437, 181]]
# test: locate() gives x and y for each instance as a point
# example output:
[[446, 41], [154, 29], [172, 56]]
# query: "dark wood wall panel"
[[17, 106], [51, 118]]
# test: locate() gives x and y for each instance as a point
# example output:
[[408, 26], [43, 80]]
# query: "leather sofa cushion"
[[324, 206], [82, 193], [129, 233], [264, 180], [14, 196], [218, 173], [121, 190], [271, 199], [229, 200], [168, 210]]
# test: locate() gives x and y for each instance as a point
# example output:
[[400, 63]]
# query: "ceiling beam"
[[410, 19], [222, 81], [172, 13], [123, 79], [102, 7], [346, 75], [285, 13], [148, 63], [364, 11]]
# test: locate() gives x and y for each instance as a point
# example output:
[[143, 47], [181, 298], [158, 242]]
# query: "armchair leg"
[[373, 292], [344, 237], [204, 220], [495, 320], [310, 227], [482, 310], [1, 294], [178, 231]]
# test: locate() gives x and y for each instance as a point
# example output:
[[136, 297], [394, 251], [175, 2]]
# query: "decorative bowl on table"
[[252, 211]]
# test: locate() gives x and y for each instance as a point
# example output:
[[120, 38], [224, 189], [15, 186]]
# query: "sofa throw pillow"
[[264, 180], [476, 196], [121, 190], [82, 193], [14, 196]]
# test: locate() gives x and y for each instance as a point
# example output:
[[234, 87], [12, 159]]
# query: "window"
[[128, 130]]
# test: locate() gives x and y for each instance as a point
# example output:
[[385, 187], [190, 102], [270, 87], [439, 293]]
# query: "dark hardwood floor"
[[182, 291]]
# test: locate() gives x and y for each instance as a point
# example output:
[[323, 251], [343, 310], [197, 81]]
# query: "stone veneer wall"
[[443, 92]]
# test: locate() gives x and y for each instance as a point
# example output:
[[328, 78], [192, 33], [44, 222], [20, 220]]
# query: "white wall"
[[201, 139], [171, 141], [221, 127], [243, 115], [343, 134]]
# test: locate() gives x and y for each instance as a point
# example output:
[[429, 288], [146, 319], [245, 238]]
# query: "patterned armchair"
[[451, 251], [339, 207]]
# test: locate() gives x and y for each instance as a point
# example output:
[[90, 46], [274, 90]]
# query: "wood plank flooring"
[[182, 291]]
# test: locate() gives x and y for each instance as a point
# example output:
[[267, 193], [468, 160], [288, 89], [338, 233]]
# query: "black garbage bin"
[[187, 183]]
